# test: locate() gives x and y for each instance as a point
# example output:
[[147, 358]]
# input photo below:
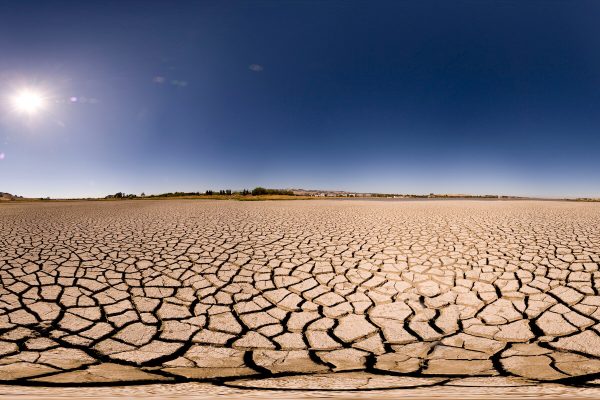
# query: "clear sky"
[[401, 96]]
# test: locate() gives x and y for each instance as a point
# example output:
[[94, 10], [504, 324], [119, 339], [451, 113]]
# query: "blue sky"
[[400, 96]]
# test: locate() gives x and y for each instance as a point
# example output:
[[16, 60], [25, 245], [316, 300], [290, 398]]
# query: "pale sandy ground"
[[456, 299], [201, 391]]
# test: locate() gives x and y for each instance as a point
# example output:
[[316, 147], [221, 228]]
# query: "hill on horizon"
[[7, 196]]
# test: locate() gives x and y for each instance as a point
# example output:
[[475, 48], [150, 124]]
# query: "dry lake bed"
[[291, 299]]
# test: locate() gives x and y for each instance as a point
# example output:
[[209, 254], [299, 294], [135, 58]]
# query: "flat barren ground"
[[224, 298]]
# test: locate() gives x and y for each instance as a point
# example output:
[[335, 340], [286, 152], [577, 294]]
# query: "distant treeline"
[[262, 191], [258, 191]]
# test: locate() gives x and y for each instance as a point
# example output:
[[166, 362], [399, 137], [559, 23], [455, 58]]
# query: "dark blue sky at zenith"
[[401, 96]]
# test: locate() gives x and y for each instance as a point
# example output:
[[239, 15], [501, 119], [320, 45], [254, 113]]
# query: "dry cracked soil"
[[332, 298]]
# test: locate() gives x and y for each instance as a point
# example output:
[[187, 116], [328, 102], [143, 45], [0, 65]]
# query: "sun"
[[28, 102]]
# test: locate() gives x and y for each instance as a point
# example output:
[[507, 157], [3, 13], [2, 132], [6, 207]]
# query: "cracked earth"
[[326, 295]]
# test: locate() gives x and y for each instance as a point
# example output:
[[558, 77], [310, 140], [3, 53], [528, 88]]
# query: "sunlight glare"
[[28, 102]]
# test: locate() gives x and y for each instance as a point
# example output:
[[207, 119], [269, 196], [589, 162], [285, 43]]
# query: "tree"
[[257, 191]]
